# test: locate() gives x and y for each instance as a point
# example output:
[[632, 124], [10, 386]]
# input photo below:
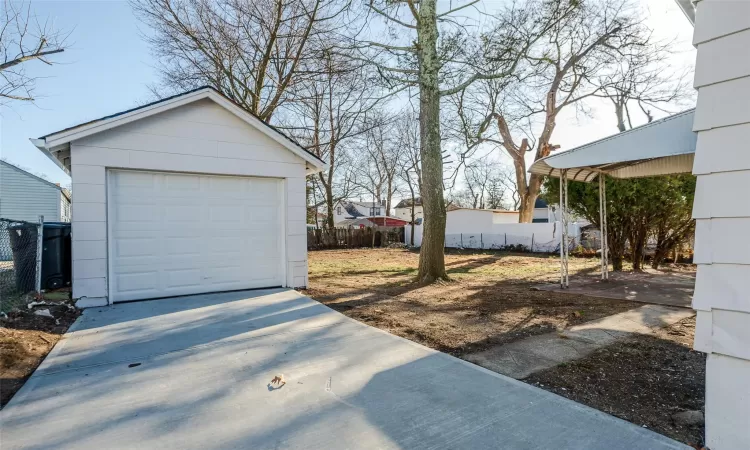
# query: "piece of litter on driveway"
[[130, 366]]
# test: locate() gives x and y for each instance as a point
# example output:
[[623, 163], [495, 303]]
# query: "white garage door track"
[[194, 372]]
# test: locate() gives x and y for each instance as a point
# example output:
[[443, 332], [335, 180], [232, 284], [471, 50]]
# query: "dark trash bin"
[[56, 255], [23, 245]]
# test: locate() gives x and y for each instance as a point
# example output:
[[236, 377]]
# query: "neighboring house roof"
[[352, 210], [406, 203], [351, 207], [7, 164], [540, 203], [59, 140]]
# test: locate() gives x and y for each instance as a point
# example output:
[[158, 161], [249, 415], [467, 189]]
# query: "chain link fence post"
[[39, 247]]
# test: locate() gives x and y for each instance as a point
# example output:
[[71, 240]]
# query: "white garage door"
[[178, 234]]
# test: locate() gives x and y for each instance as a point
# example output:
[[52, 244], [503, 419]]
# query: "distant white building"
[[543, 212], [404, 207], [25, 196], [468, 220]]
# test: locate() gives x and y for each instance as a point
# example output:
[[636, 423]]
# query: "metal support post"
[[564, 225]]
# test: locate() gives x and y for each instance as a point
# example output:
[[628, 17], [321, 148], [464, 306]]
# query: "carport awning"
[[663, 147]]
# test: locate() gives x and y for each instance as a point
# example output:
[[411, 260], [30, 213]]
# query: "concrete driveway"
[[194, 372]]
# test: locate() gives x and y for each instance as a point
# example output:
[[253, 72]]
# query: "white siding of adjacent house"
[[477, 220], [26, 197], [201, 137], [405, 213], [722, 213], [542, 213]]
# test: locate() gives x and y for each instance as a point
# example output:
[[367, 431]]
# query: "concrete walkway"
[[522, 358], [194, 372]]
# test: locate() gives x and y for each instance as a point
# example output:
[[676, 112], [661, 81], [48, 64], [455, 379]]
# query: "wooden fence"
[[319, 239]]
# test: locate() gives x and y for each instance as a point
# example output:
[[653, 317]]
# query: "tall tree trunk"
[[329, 206], [662, 248], [528, 199], [637, 246], [413, 224], [389, 197], [413, 207], [432, 254]]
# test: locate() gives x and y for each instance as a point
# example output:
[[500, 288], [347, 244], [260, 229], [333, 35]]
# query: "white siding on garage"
[[722, 213], [200, 137], [25, 197]]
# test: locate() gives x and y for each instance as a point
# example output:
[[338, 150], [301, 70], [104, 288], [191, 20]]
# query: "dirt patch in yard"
[[644, 380], [489, 301], [25, 340]]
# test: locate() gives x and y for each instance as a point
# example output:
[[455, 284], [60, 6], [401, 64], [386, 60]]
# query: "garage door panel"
[[181, 184], [185, 278], [136, 212], [130, 247], [182, 246], [182, 213], [225, 214], [192, 234], [136, 180], [137, 281]]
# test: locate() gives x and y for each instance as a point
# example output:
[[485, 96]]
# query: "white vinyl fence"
[[530, 237]]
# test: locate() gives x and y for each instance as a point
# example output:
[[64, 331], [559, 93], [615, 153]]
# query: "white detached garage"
[[187, 195]]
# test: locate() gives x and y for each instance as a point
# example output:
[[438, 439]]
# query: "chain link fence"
[[18, 262]]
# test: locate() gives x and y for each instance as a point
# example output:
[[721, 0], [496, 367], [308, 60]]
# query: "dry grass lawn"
[[489, 301]]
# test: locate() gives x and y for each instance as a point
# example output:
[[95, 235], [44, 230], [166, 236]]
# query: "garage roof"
[[662, 147], [54, 143]]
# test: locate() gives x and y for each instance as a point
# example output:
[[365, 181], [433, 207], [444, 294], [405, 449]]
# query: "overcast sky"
[[108, 69]]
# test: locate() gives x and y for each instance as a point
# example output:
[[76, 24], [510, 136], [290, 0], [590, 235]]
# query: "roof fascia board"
[[81, 132], [98, 127]]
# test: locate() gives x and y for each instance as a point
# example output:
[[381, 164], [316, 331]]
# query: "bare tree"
[[480, 175], [433, 52], [560, 72], [496, 193], [407, 129], [24, 38], [329, 114], [643, 77], [506, 178], [379, 164], [254, 52]]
